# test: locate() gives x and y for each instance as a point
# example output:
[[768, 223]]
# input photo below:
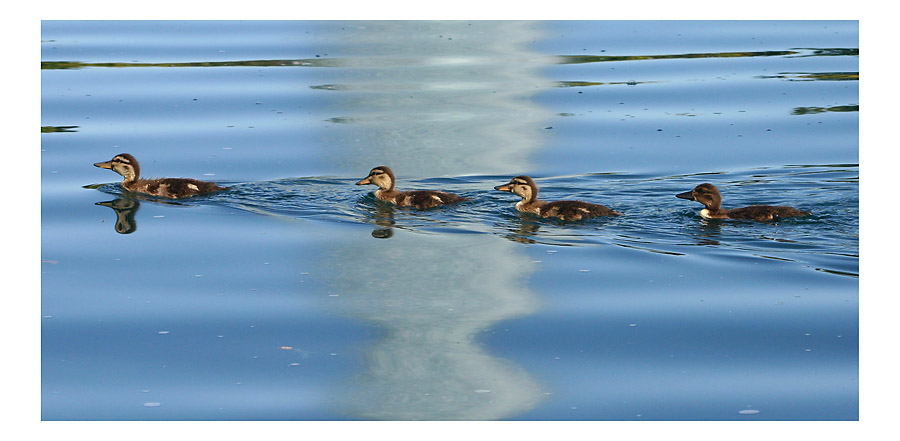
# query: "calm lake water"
[[296, 295]]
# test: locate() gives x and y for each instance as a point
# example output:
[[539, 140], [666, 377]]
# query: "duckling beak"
[[366, 180], [689, 195], [504, 187], [107, 164]]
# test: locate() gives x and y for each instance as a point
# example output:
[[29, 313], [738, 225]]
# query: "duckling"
[[708, 195], [525, 187], [383, 177], [173, 188]]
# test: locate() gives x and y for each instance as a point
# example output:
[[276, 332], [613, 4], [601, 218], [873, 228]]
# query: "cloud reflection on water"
[[440, 98], [430, 296], [436, 99]]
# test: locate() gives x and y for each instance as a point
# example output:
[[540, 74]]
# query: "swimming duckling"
[[383, 177], [173, 188], [525, 187], [708, 195]]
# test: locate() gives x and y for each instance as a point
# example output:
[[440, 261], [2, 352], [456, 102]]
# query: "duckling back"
[[426, 199], [765, 212], [175, 188], [575, 210]]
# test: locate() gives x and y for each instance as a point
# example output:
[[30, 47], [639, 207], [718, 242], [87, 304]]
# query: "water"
[[298, 296]]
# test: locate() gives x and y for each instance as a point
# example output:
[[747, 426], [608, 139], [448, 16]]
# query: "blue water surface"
[[296, 295]]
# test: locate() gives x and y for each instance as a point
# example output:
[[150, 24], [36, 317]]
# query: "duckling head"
[[522, 186], [123, 164], [706, 194], [382, 176]]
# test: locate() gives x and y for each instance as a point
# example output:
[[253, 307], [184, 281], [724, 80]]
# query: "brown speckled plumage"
[[383, 177], [708, 195], [525, 187], [172, 188]]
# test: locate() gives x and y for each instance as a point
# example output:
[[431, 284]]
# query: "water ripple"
[[654, 220]]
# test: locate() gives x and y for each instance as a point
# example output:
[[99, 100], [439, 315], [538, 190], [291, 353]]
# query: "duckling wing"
[[183, 187], [427, 198], [576, 210], [765, 212]]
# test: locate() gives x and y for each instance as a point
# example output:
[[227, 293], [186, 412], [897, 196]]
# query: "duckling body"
[[172, 188], [383, 177], [525, 187], [708, 195]]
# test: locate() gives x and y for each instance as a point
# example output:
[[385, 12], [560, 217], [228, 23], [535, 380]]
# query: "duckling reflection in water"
[[525, 187], [172, 188], [384, 218], [125, 209], [383, 177], [708, 195]]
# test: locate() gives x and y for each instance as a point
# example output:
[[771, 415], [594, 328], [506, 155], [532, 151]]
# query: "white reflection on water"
[[439, 98], [432, 99], [430, 295]]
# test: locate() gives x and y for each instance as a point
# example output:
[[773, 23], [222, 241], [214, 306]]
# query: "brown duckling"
[[708, 195], [525, 187], [173, 188], [383, 177]]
